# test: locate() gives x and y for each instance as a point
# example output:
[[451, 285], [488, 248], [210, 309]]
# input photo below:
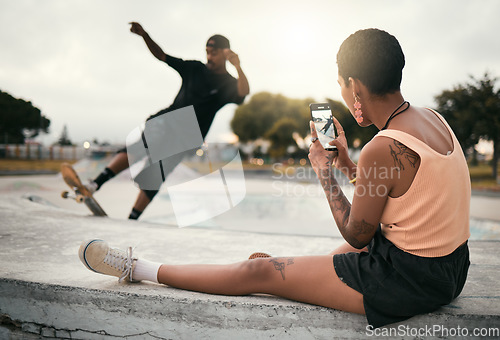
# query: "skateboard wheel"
[[64, 194], [80, 198]]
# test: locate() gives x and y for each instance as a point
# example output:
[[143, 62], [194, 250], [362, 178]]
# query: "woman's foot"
[[97, 256]]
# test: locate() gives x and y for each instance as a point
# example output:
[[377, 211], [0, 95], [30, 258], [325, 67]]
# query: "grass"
[[481, 177], [480, 171]]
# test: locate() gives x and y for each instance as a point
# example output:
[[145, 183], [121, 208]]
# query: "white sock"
[[146, 270]]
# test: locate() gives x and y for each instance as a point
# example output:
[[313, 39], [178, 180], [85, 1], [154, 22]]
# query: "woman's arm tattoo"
[[358, 231], [341, 210], [339, 205], [402, 151]]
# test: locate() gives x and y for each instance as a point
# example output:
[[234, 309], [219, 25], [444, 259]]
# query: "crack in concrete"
[[16, 326]]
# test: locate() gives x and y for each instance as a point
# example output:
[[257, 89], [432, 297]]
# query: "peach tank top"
[[432, 218]]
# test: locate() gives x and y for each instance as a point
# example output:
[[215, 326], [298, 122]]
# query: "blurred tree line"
[[279, 119], [273, 117], [472, 109], [19, 119]]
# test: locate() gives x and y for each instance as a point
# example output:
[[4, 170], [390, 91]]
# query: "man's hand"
[[137, 29], [243, 87], [156, 50], [232, 57]]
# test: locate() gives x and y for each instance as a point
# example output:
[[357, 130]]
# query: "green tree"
[[19, 118], [281, 136], [258, 118], [473, 111], [64, 138], [456, 106], [276, 117]]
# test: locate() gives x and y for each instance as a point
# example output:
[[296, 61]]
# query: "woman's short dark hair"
[[375, 58]]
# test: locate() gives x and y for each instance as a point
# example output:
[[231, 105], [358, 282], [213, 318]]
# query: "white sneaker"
[[91, 186], [97, 256]]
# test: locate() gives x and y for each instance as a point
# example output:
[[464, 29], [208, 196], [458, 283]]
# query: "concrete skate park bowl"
[[45, 292]]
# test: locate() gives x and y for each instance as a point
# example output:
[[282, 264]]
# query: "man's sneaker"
[[91, 186], [97, 256]]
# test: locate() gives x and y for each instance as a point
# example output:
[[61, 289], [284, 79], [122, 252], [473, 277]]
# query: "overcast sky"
[[78, 62]]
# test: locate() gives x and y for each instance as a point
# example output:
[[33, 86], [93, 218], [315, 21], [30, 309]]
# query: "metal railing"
[[53, 152]]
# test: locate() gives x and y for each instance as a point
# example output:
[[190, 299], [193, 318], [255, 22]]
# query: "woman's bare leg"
[[310, 279]]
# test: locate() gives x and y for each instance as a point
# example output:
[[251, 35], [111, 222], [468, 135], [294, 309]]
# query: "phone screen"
[[323, 121]]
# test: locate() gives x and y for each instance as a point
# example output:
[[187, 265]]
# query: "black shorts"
[[397, 285], [152, 176]]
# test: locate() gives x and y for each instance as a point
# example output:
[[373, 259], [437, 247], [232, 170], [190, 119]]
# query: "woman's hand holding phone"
[[341, 143], [321, 158]]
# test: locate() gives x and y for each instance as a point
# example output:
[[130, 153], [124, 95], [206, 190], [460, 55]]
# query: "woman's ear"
[[349, 82], [355, 85]]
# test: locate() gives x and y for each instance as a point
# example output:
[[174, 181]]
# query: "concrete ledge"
[[45, 292]]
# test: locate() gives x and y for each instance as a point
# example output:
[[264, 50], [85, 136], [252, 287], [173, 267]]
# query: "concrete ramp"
[[45, 292]]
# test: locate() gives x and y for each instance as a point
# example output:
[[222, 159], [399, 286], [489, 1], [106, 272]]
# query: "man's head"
[[216, 57]]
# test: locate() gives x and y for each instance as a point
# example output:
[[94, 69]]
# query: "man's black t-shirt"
[[207, 91]]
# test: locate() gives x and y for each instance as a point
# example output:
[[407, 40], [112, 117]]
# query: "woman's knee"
[[257, 269]]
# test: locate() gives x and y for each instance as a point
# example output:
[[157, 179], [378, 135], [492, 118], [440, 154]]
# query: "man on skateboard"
[[208, 87], [81, 193]]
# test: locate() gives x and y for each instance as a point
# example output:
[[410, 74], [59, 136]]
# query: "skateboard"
[[80, 193]]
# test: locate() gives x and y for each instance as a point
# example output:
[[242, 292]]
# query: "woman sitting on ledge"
[[406, 230]]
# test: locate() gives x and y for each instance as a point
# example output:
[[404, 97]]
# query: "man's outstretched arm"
[[153, 47], [243, 86]]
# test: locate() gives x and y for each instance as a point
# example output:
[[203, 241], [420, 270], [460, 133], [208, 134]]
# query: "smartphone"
[[322, 117]]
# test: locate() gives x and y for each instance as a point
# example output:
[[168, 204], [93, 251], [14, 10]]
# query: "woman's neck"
[[379, 109]]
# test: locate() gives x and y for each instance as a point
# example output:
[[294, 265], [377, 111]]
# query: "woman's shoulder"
[[428, 127], [387, 151], [377, 149], [377, 144]]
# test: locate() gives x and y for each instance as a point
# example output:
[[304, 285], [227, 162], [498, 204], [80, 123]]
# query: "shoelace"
[[115, 259]]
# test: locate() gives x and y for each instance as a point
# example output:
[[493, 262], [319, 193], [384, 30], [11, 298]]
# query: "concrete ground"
[[274, 204], [45, 292]]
